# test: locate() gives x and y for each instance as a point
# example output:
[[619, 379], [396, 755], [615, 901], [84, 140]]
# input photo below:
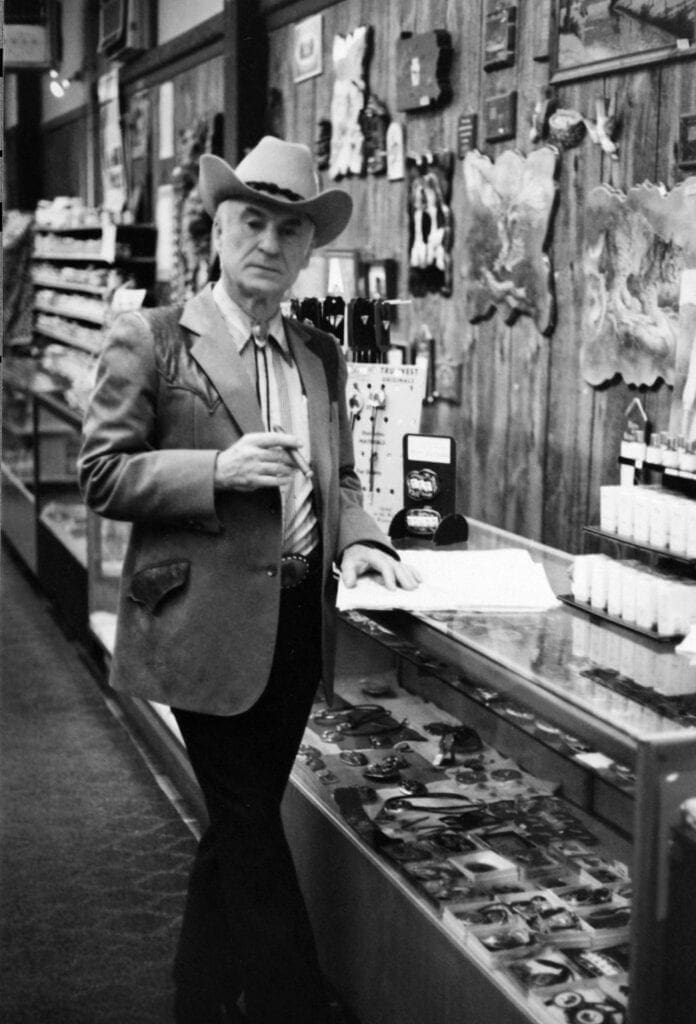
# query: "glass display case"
[[562, 748], [482, 821], [61, 518]]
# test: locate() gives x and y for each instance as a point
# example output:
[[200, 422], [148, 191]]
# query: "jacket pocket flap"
[[151, 585]]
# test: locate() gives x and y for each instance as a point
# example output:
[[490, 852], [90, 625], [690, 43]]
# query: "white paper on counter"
[[504, 580]]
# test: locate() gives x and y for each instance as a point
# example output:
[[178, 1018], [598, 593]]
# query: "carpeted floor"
[[94, 859]]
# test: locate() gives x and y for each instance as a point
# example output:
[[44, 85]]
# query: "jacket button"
[[272, 570]]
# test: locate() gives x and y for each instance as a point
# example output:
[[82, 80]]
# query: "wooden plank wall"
[[534, 441]]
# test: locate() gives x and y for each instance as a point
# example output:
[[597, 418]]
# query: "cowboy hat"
[[280, 174]]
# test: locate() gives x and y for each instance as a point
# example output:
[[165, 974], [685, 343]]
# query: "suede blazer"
[[200, 589]]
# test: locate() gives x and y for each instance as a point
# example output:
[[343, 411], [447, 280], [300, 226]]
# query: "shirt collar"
[[240, 323]]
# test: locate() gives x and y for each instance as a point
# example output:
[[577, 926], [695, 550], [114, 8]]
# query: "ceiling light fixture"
[[57, 85]]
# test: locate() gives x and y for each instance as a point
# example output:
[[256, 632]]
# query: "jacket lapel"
[[217, 356], [313, 376]]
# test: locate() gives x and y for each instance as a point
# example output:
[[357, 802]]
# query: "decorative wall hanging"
[[350, 57], [448, 381], [374, 122], [192, 225], [687, 141], [467, 126], [603, 36], [322, 145], [430, 222], [604, 128], [137, 131], [500, 114], [396, 166], [565, 128], [637, 246], [544, 107], [511, 205], [422, 70], [111, 144], [499, 43], [307, 48]]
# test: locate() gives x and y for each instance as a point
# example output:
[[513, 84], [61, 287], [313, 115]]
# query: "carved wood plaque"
[[423, 65]]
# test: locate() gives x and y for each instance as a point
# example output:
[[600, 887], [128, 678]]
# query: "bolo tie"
[[261, 338]]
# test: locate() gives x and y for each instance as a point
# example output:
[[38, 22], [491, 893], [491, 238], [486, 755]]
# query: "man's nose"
[[270, 239]]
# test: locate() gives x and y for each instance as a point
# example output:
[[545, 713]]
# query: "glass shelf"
[[688, 564]]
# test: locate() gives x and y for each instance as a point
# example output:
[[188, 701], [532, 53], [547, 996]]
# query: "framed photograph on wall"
[[342, 272], [307, 48], [601, 36]]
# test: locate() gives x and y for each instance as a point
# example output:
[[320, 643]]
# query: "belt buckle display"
[[294, 570]]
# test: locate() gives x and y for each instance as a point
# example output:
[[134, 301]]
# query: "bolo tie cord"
[[260, 347]]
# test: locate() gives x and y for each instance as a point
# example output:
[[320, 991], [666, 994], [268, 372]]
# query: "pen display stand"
[[384, 403]]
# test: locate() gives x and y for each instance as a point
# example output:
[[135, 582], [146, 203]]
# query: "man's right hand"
[[255, 460]]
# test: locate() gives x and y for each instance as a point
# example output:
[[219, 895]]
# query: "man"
[[227, 606]]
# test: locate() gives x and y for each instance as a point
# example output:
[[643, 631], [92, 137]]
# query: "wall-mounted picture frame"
[[500, 117], [307, 57], [342, 272], [687, 142], [603, 36], [499, 41], [378, 279]]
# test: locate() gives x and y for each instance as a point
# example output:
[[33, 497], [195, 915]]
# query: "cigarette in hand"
[[298, 459]]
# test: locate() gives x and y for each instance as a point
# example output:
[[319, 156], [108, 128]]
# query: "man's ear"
[[217, 231]]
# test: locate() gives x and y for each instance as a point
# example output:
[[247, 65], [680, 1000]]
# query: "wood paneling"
[[534, 440]]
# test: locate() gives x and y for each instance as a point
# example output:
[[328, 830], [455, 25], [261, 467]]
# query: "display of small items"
[[430, 222], [509, 867], [364, 325], [649, 516], [635, 594], [663, 451]]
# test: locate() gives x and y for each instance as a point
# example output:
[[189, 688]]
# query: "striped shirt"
[[282, 402]]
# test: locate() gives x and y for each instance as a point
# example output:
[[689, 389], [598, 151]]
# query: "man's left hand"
[[359, 559]]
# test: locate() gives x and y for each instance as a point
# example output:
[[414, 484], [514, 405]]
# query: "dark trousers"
[[245, 926]]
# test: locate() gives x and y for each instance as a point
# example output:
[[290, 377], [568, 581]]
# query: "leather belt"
[[295, 569]]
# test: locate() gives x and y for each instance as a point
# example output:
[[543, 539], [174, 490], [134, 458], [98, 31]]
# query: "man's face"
[[261, 249]]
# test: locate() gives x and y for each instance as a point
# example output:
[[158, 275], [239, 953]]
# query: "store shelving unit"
[[75, 269], [75, 265]]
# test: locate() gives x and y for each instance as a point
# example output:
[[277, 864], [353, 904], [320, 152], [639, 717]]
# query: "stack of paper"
[[504, 580]]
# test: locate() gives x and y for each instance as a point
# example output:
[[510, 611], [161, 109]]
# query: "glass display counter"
[[604, 716], [61, 518], [482, 822]]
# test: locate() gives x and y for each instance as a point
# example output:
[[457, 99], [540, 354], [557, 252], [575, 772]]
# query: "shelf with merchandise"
[[80, 307]]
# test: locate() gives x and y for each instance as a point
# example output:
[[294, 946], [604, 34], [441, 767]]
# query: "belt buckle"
[[294, 570]]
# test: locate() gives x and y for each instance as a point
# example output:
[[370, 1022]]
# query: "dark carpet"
[[94, 858]]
